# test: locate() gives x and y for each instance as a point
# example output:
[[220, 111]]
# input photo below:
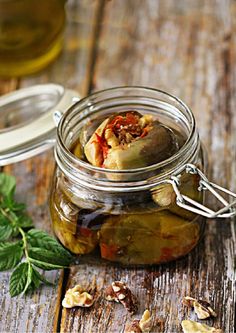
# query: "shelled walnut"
[[119, 292], [140, 326], [190, 326], [202, 308], [77, 296]]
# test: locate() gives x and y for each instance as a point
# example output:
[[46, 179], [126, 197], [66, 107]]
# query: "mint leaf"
[[10, 255], [3, 219], [9, 216], [36, 281], [41, 239], [11, 204], [24, 221], [29, 278], [46, 259], [45, 265], [6, 229], [5, 232], [7, 185], [20, 279], [25, 278], [38, 278], [18, 207], [38, 248]]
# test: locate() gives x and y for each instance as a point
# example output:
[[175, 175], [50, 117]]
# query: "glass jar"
[[128, 216], [30, 34]]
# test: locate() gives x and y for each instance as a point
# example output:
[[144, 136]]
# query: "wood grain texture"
[[39, 311], [187, 48]]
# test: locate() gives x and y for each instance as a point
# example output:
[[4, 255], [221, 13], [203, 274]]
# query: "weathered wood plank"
[[38, 312], [186, 48]]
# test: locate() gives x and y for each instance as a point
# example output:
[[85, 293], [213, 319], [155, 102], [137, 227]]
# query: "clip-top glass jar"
[[128, 216]]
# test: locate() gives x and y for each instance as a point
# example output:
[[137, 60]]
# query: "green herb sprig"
[[22, 247]]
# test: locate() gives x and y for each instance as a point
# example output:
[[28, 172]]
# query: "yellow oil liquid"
[[30, 35]]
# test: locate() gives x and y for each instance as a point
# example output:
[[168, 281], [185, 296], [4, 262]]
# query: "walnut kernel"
[[202, 308], [77, 296], [110, 294], [145, 321], [119, 292], [141, 326], [190, 326]]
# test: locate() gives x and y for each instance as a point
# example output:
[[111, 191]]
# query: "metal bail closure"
[[187, 203]]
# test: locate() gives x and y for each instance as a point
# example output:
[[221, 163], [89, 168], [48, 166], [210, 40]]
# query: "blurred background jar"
[[31, 34]]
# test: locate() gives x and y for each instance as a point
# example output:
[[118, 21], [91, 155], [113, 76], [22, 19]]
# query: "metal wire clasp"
[[204, 184]]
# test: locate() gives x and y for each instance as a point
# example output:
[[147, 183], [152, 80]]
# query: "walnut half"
[[141, 326], [202, 308], [190, 326], [119, 292], [77, 296]]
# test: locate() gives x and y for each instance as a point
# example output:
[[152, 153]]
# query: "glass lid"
[[27, 125]]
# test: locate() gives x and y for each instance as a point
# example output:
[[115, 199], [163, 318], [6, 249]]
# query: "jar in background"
[[127, 216], [30, 35]]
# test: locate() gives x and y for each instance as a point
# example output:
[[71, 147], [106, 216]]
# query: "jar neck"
[[107, 102]]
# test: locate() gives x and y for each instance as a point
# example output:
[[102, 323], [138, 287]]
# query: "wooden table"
[[188, 48]]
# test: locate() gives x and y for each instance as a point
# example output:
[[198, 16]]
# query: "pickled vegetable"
[[144, 227], [147, 238], [68, 227], [128, 141], [165, 197]]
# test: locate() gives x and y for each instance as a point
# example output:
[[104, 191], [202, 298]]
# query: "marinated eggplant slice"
[[130, 140], [147, 238], [71, 225], [92, 220], [165, 197]]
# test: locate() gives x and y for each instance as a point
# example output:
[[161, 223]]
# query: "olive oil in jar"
[[30, 35], [137, 228], [115, 198]]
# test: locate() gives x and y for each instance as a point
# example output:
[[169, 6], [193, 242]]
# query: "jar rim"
[[71, 158]]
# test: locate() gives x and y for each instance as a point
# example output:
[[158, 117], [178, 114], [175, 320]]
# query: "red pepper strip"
[[166, 254], [109, 251], [115, 123], [144, 133], [103, 145], [85, 232], [129, 119]]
